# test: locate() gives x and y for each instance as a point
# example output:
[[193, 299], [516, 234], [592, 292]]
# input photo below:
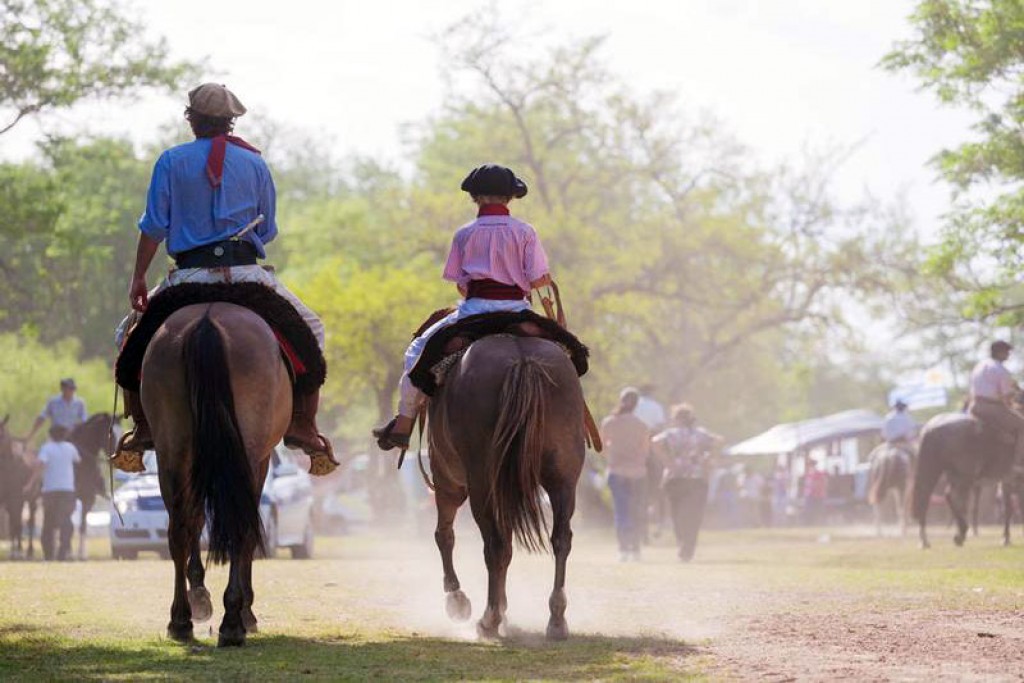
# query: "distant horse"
[[955, 444], [90, 438], [507, 422], [17, 487], [890, 474], [218, 397]]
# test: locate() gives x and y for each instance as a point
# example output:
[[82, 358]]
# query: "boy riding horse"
[[495, 261], [213, 201]]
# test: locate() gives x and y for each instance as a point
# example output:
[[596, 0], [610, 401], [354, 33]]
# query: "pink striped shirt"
[[499, 248]]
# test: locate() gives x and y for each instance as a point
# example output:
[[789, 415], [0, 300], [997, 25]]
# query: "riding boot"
[[128, 455], [303, 434]]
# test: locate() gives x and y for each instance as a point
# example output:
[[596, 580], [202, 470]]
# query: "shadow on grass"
[[27, 652]]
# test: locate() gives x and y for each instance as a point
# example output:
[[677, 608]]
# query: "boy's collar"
[[493, 210]]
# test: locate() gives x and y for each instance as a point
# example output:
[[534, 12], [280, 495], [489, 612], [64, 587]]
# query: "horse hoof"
[[458, 606], [180, 632], [488, 632], [249, 622], [557, 629], [199, 601], [231, 638], [1006, 543], [958, 540], [925, 545]]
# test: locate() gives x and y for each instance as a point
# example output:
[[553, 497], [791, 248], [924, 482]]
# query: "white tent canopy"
[[787, 438]]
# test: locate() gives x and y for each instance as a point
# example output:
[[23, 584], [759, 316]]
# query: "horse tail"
[[926, 475], [222, 482], [517, 450]]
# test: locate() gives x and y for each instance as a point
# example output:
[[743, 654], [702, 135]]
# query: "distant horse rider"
[[64, 410], [495, 261], [899, 428], [203, 196], [992, 393]]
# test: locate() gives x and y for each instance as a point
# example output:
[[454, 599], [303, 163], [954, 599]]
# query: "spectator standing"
[[627, 442], [686, 450], [815, 493], [57, 460]]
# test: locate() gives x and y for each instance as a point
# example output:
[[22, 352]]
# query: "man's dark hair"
[[998, 346], [204, 126], [58, 433]]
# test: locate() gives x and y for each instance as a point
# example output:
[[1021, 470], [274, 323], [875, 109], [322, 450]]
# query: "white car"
[[286, 506]]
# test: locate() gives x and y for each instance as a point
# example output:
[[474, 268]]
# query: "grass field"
[[372, 607]]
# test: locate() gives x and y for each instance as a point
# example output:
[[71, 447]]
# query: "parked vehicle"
[[286, 508]]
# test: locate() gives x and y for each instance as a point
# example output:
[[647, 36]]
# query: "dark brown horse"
[[18, 487], [955, 445], [89, 438], [890, 475], [507, 423], [218, 397]]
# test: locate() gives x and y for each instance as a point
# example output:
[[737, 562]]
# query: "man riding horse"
[[899, 429], [213, 202], [992, 391]]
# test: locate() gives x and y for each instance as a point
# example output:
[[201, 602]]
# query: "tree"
[[54, 53], [968, 53]]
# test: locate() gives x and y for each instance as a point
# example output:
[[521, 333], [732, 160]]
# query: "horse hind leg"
[[249, 620], [83, 528], [563, 503], [956, 498], [457, 605], [232, 628], [198, 596], [179, 541], [497, 556]]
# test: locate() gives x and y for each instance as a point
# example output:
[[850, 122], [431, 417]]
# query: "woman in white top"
[[57, 460]]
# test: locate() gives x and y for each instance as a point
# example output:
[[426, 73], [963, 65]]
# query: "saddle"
[[298, 344], [445, 346]]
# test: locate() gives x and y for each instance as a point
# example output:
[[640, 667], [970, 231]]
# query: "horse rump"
[[517, 448], [222, 483]]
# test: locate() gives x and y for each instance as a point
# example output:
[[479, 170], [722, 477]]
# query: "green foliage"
[[967, 52], [54, 53], [30, 372]]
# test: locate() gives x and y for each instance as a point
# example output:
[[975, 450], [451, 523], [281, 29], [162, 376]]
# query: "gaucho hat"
[[495, 180], [214, 99]]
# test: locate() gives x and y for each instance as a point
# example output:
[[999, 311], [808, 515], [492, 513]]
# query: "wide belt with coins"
[[218, 255]]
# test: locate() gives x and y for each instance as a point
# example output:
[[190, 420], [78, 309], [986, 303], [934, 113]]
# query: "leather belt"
[[218, 255], [495, 291]]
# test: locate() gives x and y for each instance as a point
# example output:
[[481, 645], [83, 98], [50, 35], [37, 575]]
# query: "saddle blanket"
[[297, 341]]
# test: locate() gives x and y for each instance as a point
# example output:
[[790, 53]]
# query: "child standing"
[[495, 261]]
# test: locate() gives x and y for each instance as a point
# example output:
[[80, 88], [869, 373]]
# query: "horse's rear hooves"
[[180, 632], [557, 630], [199, 601], [490, 632], [231, 639], [457, 606]]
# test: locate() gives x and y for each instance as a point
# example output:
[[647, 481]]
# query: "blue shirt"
[[183, 208], [67, 414]]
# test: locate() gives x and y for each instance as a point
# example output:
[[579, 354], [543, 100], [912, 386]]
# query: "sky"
[[782, 75]]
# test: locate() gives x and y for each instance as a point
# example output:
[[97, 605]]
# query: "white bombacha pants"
[[411, 399], [254, 273]]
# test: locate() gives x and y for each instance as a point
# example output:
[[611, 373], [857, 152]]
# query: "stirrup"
[[126, 459], [387, 439], [321, 455]]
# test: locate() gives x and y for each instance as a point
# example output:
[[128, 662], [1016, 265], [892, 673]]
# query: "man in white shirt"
[[992, 390], [899, 428], [57, 460]]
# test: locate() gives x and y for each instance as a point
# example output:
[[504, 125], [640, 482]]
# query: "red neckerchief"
[[215, 160], [493, 210]]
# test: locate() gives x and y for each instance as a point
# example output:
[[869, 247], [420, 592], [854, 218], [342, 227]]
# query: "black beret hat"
[[492, 179]]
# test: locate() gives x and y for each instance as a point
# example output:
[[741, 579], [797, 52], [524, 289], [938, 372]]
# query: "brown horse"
[[218, 397], [889, 477], [507, 422], [18, 487], [956, 445], [89, 438]]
